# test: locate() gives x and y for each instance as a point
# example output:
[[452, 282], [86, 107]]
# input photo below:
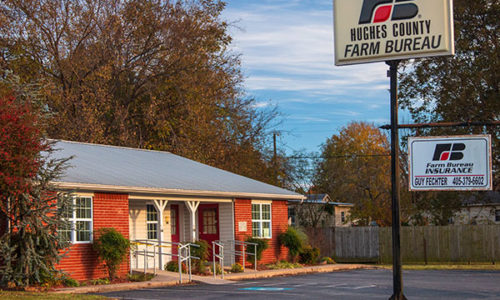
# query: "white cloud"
[[297, 47]]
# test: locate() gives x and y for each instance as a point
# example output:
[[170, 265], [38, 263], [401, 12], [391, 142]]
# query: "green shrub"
[[261, 246], [218, 268], [202, 251], [111, 247], [283, 265], [173, 266], [236, 268], [100, 281], [139, 277], [68, 281], [294, 240], [309, 255], [327, 260], [201, 267]]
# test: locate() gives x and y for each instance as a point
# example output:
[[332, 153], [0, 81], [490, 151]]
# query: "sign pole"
[[395, 178]]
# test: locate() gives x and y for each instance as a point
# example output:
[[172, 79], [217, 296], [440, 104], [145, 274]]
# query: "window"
[[79, 229], [291, 215], [497, 215], [261, 220], [342, 217], [152, 222], [173, 221], [209, 219]]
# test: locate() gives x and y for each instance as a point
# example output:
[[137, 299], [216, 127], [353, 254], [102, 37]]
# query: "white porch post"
[[160, 207], [193, 206]]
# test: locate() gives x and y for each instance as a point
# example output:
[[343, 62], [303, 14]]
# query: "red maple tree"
[[20, 147]]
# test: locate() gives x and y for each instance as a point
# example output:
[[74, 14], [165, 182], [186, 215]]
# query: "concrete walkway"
[[165, 278]]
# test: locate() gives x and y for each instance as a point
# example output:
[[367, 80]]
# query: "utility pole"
[[275, 156]]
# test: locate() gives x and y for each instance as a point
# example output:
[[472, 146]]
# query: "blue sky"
[[288, 61]]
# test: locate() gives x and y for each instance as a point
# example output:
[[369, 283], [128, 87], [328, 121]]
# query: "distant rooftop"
[[322, 199], [111, 167]]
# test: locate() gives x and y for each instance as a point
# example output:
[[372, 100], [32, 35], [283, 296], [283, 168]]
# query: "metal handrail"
[[226, 244], [181, 249]]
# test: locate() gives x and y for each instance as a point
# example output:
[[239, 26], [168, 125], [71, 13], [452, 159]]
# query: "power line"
[[338, 156]]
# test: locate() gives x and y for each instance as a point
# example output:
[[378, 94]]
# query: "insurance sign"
[[381, 30], [450, 163]]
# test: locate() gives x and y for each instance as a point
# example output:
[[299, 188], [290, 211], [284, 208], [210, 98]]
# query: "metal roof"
[[110, 167]]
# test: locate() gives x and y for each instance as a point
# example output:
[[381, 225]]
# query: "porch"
[[160, 226]]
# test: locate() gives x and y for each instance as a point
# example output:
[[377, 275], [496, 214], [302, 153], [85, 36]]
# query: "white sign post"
[[459, 163], [380, 30]]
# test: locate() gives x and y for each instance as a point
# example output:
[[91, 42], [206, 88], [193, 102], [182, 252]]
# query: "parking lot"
[[359, 284]]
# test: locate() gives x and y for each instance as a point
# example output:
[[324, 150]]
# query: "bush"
[[309, 255], [173, 266], [327, 260], [202, 251], [261, 246], [236, 268], [68, 281], [139, 277], [283, 265], [100, 281], [218, 268], [294, 240], [111, 247]]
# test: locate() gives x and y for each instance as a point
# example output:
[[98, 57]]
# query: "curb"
[[234, 277], [116, 287], [298, 271]]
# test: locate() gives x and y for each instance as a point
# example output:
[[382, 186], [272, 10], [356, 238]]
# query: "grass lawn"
[[4, 295], [490, 267]]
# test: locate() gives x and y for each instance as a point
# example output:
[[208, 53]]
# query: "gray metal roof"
[[127, 167]]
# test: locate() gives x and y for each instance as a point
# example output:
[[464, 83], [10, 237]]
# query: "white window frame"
[[497, 215], [73, 219], [155, 222], [342, 217], [261, 221]]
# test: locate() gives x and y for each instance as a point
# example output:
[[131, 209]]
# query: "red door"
[[174, 227], [208, 220]]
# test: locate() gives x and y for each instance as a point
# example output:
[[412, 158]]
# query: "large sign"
[[381, 30], [450, 163]]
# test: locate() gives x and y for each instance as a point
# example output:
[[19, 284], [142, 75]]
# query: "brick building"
[[160, 197]]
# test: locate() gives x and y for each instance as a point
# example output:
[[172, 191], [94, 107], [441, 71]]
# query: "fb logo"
[[378, 11], [445, 152]]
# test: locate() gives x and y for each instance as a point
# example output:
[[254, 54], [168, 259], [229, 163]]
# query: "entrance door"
[[208, 220], [174, 227]]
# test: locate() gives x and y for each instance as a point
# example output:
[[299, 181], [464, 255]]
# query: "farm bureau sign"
[[380, 30]]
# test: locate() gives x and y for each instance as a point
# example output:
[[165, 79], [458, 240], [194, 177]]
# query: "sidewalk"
[[165, 278]]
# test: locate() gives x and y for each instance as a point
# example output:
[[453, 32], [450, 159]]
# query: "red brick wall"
[[243, 213], [81, 262]]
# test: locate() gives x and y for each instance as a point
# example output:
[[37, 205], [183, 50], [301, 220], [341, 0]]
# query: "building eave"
[[75, 186]]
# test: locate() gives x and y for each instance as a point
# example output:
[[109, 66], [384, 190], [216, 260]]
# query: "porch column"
[[160, 207], [193, 206]]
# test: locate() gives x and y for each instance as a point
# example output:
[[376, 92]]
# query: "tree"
[[313, 214], [464, 87], [356, 169], [151, 74], [30, 246]]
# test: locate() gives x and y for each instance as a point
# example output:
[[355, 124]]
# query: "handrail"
[[181, 249], [242, 253]]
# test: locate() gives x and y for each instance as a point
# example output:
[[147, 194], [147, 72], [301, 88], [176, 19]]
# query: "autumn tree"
[[30, 212], [152, 74], [464, 87], [356, 169]]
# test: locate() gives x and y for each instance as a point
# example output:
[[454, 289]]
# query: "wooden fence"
[[478, 243]]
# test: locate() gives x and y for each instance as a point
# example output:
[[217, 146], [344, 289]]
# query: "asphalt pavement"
[[359, 284]]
